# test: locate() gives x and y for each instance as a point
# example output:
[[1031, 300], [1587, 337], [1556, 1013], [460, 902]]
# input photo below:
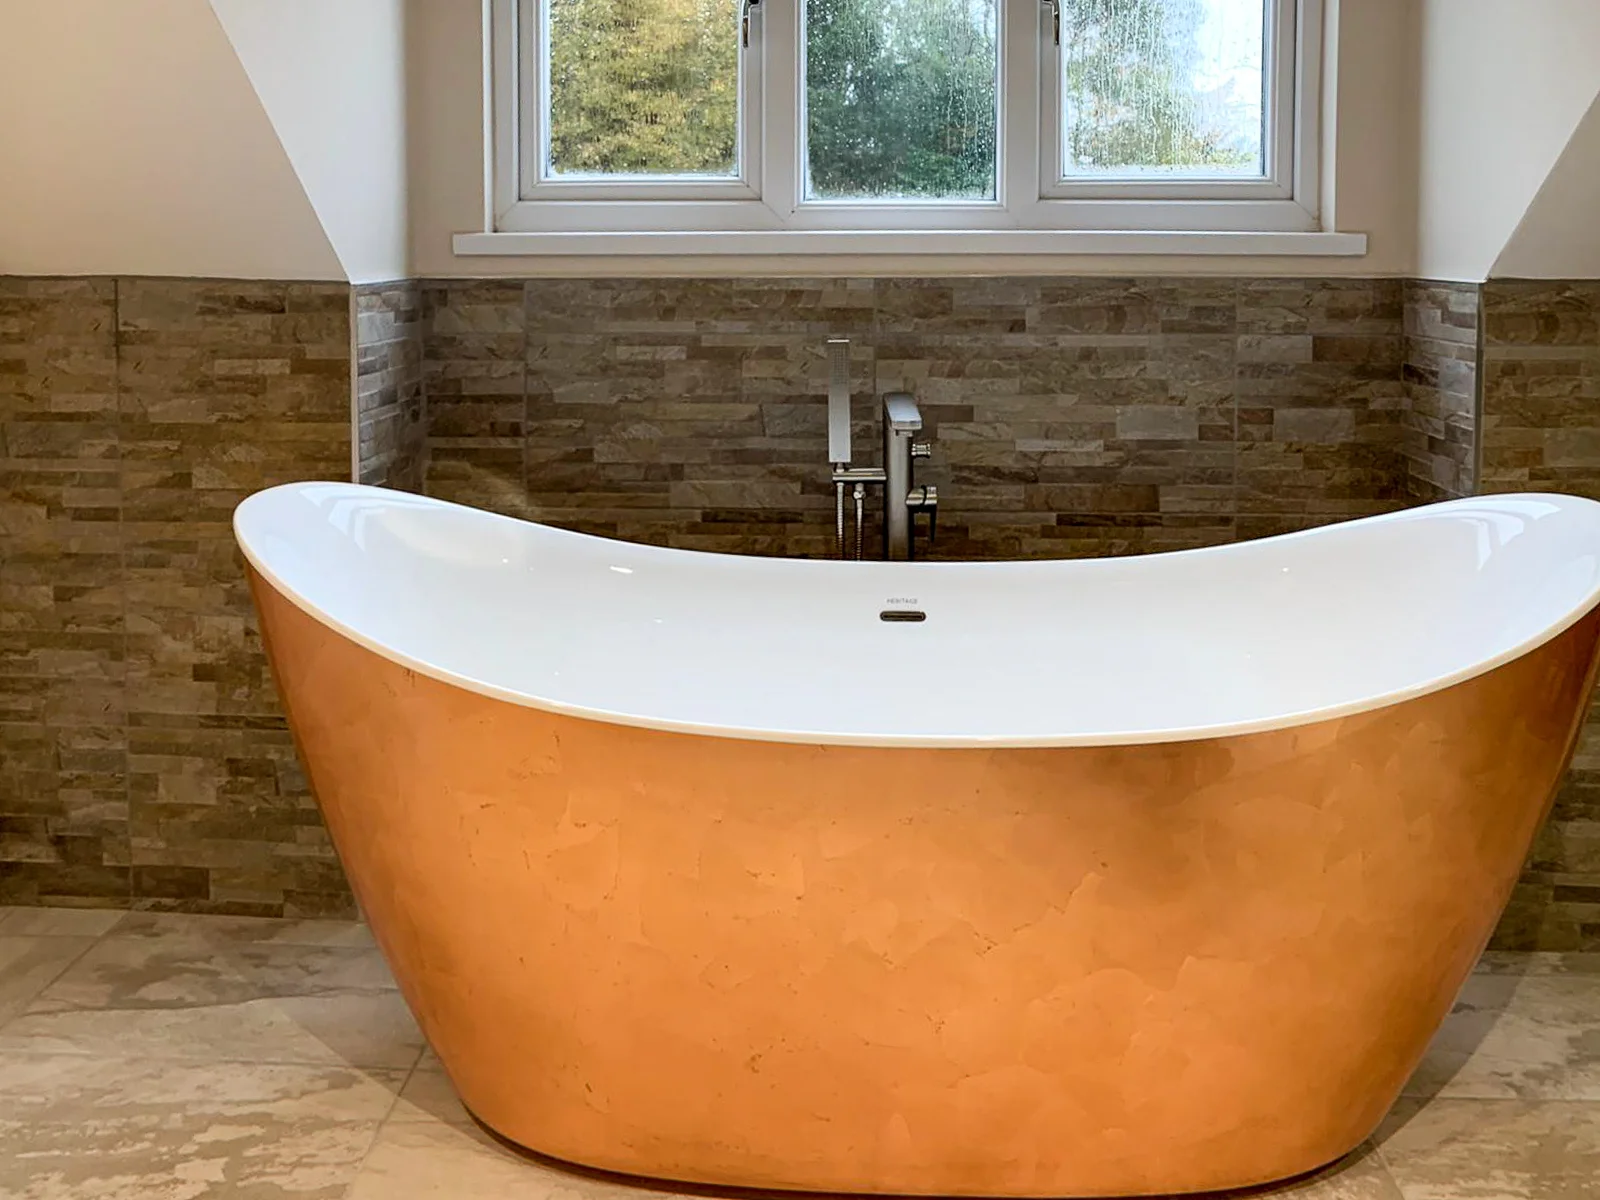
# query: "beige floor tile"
[[244, 930], [1359, 1176], [1532, 1035], [183, 995], [78, 1128], [184, 1057], [429, 1160], [57, 922], [1494, 1149], [429, 1096], [28, 965]]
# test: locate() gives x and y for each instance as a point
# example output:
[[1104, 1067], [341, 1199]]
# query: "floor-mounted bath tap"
[[904, 498]]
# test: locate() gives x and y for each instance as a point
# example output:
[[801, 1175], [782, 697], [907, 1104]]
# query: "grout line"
[[382, 1122], [49, 983], [1382, 1159], [341, 1064]]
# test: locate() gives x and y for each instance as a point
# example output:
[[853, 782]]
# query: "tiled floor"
[[147, 1057]]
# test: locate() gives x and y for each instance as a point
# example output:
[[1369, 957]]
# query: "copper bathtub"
[[1104, 878]]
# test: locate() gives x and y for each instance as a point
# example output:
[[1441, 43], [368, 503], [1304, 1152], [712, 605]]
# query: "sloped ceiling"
[[134, 143], [1504, 88], [1559, 235], [331, 76]]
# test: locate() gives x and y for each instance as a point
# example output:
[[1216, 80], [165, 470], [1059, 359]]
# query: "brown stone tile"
[[392, 430], [1537, 312], [683, 398], [224, 388], [1259, 525], [1096, 307], [1320, 397], [691, 399], [63, 808], [473, 376], [1556, 905], [1541, 387], [222, 820], [1342, 307]]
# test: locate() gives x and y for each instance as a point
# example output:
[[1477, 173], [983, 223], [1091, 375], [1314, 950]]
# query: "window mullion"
[[515, 79], [1023, 113], [1299, 107], [781, 111], [752, 86]]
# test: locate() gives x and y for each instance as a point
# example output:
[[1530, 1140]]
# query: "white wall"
[[1559, 235], [131, 142], [331, 75], [1369, 118], [1503, 88], [1370, 147], [280, 139]]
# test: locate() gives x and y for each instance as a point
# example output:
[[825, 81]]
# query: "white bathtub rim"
[[929, 741]]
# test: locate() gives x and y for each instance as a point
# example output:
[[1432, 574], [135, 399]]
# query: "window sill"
[[918, 242]]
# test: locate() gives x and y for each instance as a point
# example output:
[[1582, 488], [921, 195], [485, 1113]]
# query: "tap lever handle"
[[901, 414]]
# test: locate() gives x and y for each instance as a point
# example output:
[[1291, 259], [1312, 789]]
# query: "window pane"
[[1163, 87], [900, 99], [643, 87]]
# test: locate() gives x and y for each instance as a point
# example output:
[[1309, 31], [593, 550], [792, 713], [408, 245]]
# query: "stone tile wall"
[[1441, 377], [1069, 417], [392, 439], [143, 757], [1541, 431], [63, 650], [1541, 386]]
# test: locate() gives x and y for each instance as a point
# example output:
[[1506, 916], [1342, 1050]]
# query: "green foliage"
[[900, 93], [643, 87], [1127, 100], [901, 97]]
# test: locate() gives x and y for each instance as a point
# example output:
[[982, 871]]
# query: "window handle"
[[745, 8], [1055, 17]]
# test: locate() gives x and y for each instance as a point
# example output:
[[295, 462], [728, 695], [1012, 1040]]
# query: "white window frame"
[[763, 211]]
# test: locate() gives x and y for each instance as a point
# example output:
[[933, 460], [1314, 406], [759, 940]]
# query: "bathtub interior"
[[1215, 642]]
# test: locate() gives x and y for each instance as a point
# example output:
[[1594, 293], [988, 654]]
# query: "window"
[[1162, 88], [630, 93], [866, 118], [901, 99]]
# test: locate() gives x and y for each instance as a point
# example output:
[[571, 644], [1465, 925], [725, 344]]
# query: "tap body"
[[902, 499], [902, 421]]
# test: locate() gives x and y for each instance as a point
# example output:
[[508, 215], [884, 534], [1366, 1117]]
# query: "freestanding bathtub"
[[1102, 878]]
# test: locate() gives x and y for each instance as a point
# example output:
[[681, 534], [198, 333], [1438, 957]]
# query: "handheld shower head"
[[839, 401]]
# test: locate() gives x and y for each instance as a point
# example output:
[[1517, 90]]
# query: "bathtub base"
[[657, 1183], [1016, 972]]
